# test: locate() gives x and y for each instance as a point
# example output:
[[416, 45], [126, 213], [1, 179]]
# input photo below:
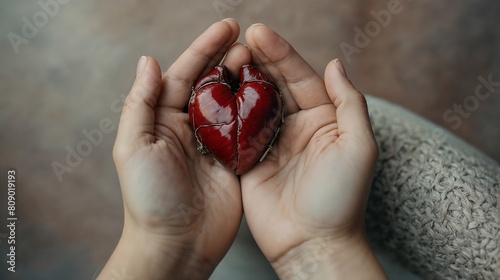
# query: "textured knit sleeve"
[[435, 201]]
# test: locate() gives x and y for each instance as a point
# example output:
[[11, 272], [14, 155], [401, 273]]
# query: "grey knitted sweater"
[[435, 201]]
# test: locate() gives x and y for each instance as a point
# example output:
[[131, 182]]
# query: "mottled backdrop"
[[66, 65]]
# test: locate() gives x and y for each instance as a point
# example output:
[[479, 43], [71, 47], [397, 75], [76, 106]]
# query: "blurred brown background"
[[69, 73]]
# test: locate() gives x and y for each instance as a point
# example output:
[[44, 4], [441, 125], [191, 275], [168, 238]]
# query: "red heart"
[[237, 126]]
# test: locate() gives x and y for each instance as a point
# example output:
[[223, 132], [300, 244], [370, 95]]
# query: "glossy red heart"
[[236, 124]]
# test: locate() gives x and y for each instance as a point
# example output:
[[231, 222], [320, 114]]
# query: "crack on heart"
[[238, 128], [201, 148]]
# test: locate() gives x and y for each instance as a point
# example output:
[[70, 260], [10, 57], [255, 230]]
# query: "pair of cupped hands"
[[183, 209]]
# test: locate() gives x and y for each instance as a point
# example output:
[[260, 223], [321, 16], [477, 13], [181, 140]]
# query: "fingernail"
[[257, 24], [141, 66], [228, 19], [340, 66]]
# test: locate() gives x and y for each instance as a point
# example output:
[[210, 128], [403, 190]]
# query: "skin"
[[304, 203]]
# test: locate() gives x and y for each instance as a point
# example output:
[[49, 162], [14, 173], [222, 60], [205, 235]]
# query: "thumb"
[[352, 110], [137, 119]]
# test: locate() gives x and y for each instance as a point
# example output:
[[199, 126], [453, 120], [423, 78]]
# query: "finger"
[[204, 53], [237, 56], [352, 110], [301, 86], [137, 119]]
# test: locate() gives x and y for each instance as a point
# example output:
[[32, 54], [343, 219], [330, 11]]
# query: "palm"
[[299, 188], [180, 192], [179, 185]]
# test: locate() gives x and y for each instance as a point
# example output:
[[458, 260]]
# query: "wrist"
[[143, 255], [329, 258]]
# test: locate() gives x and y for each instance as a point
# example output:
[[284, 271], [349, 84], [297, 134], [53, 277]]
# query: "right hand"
[[313, 186]]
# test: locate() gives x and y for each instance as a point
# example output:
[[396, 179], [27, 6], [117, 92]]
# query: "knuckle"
[[360, 98], [129, 101], [150, 83], [120, 152], [144, 92]]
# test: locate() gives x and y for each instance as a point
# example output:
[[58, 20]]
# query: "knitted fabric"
[[434, 204]]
